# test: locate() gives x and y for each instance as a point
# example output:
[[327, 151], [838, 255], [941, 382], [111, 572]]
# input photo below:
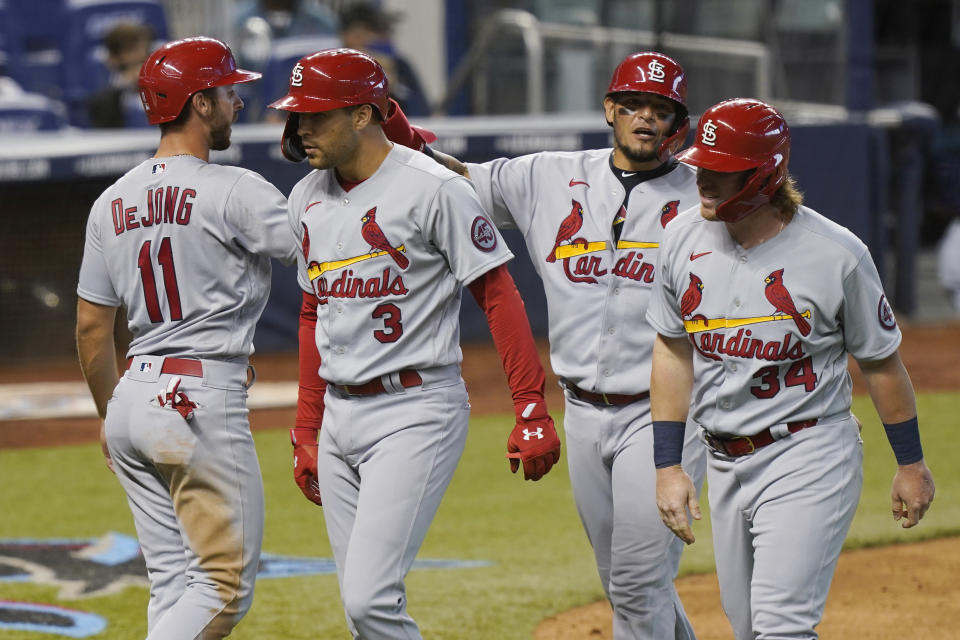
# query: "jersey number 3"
[[392, 328], [145, 264]]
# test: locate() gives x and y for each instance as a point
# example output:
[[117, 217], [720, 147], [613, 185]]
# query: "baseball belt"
[[178, 366], [737, 446], [407, 377], [607, 399]]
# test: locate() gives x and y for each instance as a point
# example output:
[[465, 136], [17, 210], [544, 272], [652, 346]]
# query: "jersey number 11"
[[165, 258]]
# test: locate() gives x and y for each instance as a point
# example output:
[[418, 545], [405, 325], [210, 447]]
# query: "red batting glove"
[[533, 441], [399, 129], [305, 462]]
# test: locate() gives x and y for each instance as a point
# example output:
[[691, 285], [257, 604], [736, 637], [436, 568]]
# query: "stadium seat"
[[34, 30], [23, 112], [84, 69]]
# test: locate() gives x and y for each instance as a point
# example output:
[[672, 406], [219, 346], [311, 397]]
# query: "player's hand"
[[305, 462], [533, 441], [398, 129], [676, 494], [103, 447], [912, 493]]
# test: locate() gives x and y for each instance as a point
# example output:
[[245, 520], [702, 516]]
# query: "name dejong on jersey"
[[574, 252], [345, 284]]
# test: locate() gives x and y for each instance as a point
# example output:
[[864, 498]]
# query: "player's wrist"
[[303, 435], [532, 409], [904, 438], [668, 443]]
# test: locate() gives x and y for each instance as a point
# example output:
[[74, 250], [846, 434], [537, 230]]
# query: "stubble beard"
[[639, 156]]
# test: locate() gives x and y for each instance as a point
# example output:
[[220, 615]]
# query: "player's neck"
[[368, 157], [180, 143], [758, 227]]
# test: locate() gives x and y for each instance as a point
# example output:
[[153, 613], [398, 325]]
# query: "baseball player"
[[389, 239], [592, 222], [185, 247], [759, 300]]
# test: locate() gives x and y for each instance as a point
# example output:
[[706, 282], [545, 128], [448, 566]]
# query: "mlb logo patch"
[[160, 167], [146, 366]]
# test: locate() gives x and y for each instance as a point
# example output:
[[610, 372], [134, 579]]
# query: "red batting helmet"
[[737, 135], [327, 80], [179, 69], [652, 72]]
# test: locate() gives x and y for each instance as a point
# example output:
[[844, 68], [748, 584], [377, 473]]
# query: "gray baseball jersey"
[[771, 323], [596, 288], [771, 327], [387, 261], [185, 246]]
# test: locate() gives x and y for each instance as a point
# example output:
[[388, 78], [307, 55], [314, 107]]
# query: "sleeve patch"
[[885, 314], [483, 235]]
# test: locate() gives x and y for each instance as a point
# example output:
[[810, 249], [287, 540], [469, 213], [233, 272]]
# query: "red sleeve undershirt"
[[500, 301], [312, 386]]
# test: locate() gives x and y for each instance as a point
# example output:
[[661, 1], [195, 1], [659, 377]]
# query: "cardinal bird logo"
[[780, 298], [692, 296], [668, 212], [374, 235], [306, 243], [568, 228]]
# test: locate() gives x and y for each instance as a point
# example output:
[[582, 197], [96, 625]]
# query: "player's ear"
[[362, 116], [205, 101], [609, 107]]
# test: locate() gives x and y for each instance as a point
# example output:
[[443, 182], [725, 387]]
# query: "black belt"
[[744, 445], [408, 378], [608, 399]]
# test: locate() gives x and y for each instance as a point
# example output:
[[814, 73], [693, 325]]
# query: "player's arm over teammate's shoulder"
[[256, 213]]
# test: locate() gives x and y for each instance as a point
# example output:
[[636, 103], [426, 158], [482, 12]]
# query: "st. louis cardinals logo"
[[655, 71], [373, 234], [780, 298], [709, 136], [538, 434], [296, 77], [568, 228], [668, 212], [350, 285], [692, 297], [709, 338], [574, 252]]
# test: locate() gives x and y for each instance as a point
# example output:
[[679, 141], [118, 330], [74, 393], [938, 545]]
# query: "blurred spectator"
[[260, 22], [118, 104], [367, 28]]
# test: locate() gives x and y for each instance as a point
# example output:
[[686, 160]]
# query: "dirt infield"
[[869, 598]]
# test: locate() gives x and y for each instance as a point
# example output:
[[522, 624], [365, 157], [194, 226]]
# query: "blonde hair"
[[788, 198]]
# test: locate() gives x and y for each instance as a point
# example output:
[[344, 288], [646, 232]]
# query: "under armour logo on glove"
[[175, 399], [533, 441], [538, 433]]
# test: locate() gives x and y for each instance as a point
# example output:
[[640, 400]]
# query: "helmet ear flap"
[[291, 145], [674, 142], [756, 192]]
